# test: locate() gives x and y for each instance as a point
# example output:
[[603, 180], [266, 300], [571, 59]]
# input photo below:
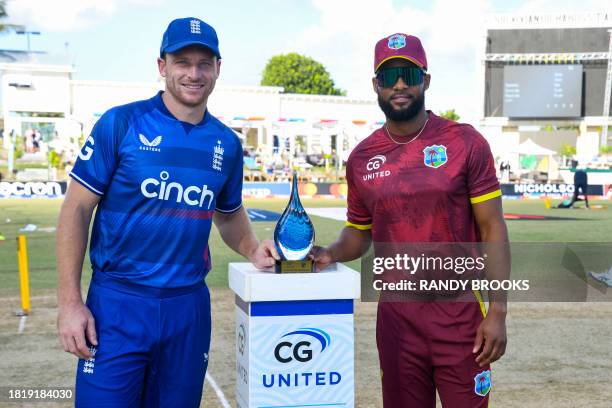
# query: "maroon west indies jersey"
[[421, 191]]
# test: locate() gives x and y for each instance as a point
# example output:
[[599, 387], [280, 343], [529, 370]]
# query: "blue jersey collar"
[[161, 106]]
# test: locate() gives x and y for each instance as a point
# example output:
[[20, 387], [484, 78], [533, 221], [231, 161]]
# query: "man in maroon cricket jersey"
[[422, 179]]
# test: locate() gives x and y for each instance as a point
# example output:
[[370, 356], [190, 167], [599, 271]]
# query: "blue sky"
[[119, 39]]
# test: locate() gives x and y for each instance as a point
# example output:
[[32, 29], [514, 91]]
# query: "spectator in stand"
[[36, 139], [29, 141]]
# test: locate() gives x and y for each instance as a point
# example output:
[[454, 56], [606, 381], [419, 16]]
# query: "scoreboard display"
[[542, 91]]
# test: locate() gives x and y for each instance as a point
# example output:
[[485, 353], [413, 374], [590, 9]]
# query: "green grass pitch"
[[582, 226]]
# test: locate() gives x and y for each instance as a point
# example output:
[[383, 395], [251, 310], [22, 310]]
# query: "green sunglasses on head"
[[387, 77]]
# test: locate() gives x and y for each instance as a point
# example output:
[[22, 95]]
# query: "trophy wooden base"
[[306, 266]]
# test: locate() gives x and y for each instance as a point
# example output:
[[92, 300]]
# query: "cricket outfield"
[[558, 354]]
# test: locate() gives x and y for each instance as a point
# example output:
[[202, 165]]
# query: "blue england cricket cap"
[[184, 32]]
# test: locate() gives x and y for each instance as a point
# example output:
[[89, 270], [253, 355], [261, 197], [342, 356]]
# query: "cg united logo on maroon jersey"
[[375, 162], [374, 167]]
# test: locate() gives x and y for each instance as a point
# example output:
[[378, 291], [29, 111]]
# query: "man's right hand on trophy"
[[264, 255], [321, 256]]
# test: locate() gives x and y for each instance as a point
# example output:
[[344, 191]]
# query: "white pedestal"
[[294, 337]]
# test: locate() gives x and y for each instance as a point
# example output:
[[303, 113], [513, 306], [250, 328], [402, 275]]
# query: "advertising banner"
[[32, 189], [548, 190]]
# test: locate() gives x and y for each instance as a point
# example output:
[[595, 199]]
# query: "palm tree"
[[4, 28], [432, 156]]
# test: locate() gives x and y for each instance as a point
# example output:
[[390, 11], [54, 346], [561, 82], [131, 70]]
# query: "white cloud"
[[455, 26], [65, 15]]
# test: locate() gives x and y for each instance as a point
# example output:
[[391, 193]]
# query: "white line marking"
[[22, 323], [333, 213], [218, 391]]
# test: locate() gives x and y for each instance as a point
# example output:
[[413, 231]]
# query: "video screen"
[[542, 91]]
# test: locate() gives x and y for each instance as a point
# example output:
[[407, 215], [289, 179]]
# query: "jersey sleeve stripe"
[[229, 211], [362, 227], [478, 296], [486, 197], [84, 183]]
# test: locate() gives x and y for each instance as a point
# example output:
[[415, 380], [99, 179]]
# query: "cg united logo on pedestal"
[[302, 350], [301, 346]]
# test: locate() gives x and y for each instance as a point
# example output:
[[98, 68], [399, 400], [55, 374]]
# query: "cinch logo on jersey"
[[292, 348], [173, 191], [374, 165], [149, 145]]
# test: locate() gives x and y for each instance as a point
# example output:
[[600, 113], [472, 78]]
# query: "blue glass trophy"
[[294, 235]]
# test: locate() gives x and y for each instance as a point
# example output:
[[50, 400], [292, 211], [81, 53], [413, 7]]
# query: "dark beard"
[[402, 115]]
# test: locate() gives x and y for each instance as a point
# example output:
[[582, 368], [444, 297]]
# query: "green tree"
[[299, 74], [4, 28], [450, 114]]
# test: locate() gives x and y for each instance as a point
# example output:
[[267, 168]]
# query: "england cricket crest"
[[482, 383], [435, 156], [218, 156]]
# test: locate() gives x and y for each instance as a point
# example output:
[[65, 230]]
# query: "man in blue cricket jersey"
[[159, 172]]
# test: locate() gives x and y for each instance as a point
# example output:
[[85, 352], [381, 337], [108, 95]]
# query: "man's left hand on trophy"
[[322, 257]]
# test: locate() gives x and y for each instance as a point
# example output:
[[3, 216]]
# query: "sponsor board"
[[263, 190], [32, 189], [548, 190], [55, 189], [258, 215]]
